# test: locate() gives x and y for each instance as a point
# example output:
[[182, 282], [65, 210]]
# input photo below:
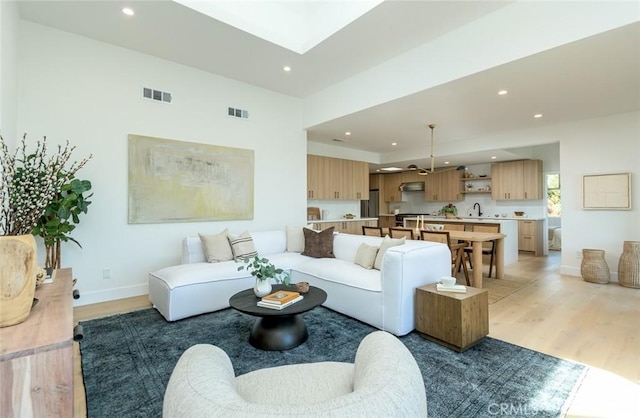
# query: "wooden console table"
[[36, 356]]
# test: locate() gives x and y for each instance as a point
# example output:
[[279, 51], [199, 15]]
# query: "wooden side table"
[[454, 320]]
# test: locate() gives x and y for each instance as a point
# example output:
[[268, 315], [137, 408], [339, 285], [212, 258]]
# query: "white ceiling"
[[592, 77]]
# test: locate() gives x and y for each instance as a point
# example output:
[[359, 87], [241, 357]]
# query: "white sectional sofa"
[[382, 298]]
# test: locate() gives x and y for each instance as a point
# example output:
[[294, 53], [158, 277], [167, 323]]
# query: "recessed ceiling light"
[[537, 115], [347, 133], [446, 162], [394, 143], [502, 92], [286, 68], [128, 11], [493, 157]]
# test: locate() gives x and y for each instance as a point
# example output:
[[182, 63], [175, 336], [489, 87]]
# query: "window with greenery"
[[554, 207]]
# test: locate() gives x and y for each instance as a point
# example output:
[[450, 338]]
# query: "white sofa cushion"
[[384, 246], [343, 272], [266, 242], [216, 247], [366, 255], [242, 246], [295, 239]]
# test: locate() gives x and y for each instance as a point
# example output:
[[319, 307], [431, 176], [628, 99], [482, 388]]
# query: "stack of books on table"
[[280, 299], [456, 288]]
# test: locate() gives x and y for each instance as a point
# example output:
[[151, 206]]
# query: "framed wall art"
[[606, 191], [177, 181]]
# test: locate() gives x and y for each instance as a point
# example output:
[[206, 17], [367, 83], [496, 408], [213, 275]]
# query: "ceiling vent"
[[156, 95], [238, 113]]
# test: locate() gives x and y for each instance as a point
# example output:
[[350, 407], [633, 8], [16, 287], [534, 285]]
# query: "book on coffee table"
[[280, 297], [278, 306], [456, 288]]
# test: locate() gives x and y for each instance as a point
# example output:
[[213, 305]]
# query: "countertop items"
[[343, 220]]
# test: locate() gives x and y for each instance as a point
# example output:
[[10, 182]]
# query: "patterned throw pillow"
[[318, 244], [242, 246], [216, 247], [384, 246], [366, 256]]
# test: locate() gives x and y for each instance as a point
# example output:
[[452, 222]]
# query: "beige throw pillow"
[[295, 239], [384, 246], [242, 246], [366, 256], [216, 247], [318, 244]]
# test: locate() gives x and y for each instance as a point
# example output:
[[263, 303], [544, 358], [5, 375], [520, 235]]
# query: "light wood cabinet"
[[336, 179], [392, 184], [517, 180], [36, 356], [347, 227], [387, 221], [444, 186], [530, 236]]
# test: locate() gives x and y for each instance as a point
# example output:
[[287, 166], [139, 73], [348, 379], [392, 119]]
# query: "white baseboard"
[[88, 298]]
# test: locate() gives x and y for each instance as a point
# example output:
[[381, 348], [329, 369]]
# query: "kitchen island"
[[345, 226], [509, 227]]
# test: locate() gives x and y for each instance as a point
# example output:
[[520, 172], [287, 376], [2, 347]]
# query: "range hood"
[[412, 186]]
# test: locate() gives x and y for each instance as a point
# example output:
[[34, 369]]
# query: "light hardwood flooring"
[[563, 316]]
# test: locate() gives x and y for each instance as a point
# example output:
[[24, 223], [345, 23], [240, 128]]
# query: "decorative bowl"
[[519, 213], [302, 287]]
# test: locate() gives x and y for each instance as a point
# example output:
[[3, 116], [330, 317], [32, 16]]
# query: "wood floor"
[[563, 316]]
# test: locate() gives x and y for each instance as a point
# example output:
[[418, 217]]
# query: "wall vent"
[[156, 95], [238, 113]]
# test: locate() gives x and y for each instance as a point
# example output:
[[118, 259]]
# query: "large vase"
[[594, 267], [262, 288], [629, 265], [17, 278]]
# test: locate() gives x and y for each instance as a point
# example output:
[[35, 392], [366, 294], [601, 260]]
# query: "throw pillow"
[[295, 239], [384, 246], [366, 256], [216, 247], [242, 246], [318, 244]]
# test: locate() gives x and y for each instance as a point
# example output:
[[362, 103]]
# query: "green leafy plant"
[[262, 269], [450, 208], [61, 217]]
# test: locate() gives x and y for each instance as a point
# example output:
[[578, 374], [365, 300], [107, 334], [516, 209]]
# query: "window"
[[554, 207]]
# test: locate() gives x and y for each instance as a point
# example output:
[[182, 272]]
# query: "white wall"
[[90, 93], [8, 71], [604, 145]]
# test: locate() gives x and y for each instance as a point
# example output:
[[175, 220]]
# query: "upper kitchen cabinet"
[[336, 179], [444, 186], [392, 184], [517, 180]]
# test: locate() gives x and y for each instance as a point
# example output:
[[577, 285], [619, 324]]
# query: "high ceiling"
[[595, 76]]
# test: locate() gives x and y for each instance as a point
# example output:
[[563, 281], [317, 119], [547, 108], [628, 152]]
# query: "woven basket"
[[594, 268], [629, 265]]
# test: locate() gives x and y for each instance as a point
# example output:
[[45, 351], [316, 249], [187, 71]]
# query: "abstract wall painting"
[[177, 181]]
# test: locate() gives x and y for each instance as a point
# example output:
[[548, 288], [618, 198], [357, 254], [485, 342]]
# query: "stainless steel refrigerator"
[[369, 208]]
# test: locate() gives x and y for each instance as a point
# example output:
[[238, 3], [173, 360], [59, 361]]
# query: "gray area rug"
[[127, 361]]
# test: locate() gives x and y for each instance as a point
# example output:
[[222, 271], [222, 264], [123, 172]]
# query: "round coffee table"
[[277, 330]]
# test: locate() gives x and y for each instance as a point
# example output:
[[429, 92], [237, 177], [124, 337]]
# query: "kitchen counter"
[[319, 221]]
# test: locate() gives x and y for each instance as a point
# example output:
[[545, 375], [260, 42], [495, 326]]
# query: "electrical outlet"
[[578, 254], [106, 273]]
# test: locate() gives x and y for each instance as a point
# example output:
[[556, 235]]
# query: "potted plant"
[[449, 211], [264, 271], [29, 183]]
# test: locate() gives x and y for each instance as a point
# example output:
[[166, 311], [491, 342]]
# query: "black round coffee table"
[[277, 330]]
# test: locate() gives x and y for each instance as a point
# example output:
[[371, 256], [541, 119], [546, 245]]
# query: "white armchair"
[[384, 381]]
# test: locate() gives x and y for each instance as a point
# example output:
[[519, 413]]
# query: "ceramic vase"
[[17, 278], [262, 288]]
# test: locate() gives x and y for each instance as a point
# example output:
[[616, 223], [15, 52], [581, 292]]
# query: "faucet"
[[474, 206]]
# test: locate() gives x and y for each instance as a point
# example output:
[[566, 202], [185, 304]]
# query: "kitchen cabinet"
[[444, 186], [392, 184], [337, 179], [348, 226], [387, 221], [530, 236], [517, 180]]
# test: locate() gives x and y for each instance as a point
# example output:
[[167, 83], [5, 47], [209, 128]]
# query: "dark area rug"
[[127, 361]]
